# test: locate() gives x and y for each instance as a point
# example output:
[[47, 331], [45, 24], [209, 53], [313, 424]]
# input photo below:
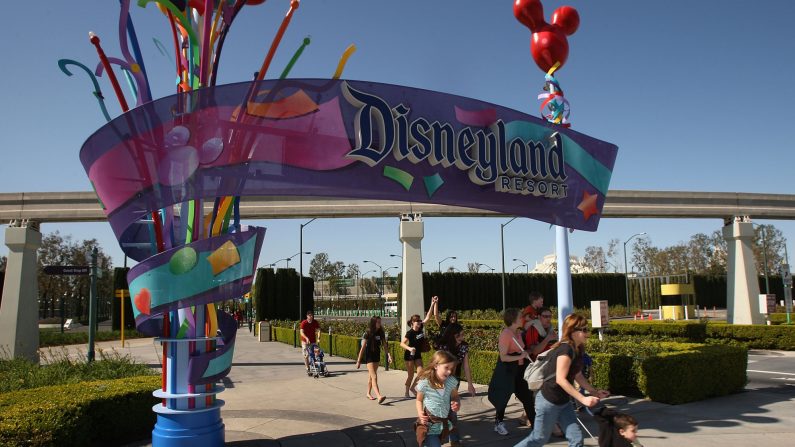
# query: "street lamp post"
[[626, 274], [301, 267], [396, 256], [485, 265], [381, 291], [439, 265], [362, 276], [520, 265], [291, 257], [526, 267], [502, 251]]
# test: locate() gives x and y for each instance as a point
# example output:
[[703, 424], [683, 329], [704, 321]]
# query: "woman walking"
[[372, 342], [553, 403], [415, 343], [508, 376], [454, 343]]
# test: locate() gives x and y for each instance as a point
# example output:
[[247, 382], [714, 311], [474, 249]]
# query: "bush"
[[109, 412], [694, 331], [753, 336], [672, 373], [693, 373], [18, 374], [57, 338]]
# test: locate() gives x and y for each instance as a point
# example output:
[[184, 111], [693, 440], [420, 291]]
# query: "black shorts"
[[372, 357], [408, 357]]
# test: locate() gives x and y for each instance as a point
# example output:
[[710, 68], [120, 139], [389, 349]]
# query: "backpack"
[[538, 372]]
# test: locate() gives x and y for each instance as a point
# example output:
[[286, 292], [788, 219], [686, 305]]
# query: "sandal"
[[371, 397], [381, 400]]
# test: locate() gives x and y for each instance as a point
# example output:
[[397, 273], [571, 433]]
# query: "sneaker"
[[499, 427]]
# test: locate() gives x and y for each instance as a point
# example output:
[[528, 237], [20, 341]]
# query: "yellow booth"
[[677, 302]]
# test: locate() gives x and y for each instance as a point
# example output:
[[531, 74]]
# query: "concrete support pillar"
[[19, 312], [742, 280], [565, 299], [412, 230]]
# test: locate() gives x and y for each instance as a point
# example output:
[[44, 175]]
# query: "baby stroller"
[[317, 367]]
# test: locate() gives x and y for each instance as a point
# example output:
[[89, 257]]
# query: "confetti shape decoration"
[[588, 205], [224, 257], [143, 301], [183, 261]]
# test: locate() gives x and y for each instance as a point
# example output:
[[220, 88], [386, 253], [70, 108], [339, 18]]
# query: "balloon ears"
[[566, 19], [531, 14]]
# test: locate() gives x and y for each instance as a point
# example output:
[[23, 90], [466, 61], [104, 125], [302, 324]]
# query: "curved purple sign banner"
[[336, 138]]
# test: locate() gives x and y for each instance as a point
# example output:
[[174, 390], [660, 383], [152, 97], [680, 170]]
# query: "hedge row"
[[57, 338], [106, 412], [753, 336], [671, 373], [684, 372]]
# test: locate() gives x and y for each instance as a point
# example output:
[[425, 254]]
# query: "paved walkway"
[[271, 402]]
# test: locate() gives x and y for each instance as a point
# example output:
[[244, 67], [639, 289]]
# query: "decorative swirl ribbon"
[[553, 101]]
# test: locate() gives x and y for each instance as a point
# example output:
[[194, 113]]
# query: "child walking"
[[437, 394]]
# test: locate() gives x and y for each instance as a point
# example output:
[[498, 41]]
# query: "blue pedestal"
[[187, 428]]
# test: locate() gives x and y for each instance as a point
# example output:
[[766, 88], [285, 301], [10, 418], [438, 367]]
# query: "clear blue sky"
[[698, 96]]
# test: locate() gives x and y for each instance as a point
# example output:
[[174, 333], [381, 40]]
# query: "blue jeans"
[[547, 414]]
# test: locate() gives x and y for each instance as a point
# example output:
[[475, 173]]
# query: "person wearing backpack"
[[552, 402], [539, 338]]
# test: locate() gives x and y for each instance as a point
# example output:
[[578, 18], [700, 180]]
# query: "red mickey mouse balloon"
[[548, 44]]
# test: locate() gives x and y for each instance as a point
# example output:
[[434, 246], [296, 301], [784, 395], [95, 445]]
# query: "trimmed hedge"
[[106, 412], [56, 338], [664, 372], [695, 373], [757, 336], [753, 336], [672, 373]]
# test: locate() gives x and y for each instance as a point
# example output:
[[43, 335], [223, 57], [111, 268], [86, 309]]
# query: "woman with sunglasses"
[[552, 403]]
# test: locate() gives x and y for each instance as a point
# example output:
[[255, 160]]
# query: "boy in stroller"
[[317, 366], [616, 429]]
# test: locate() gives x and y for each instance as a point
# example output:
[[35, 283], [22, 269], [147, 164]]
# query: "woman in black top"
[[450, 318], [372, 342], [553, 401], [414, 340], [454, 343]]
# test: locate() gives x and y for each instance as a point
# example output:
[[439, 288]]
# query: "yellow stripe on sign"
[[677, 289]]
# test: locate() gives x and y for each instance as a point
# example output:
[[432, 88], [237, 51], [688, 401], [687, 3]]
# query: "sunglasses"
[[583, 329]]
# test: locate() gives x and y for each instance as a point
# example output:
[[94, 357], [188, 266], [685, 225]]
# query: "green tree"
[[768, 241], [319, 266], [595, 259], [62, 250]]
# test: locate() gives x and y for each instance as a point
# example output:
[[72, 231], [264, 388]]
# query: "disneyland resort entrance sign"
[[153, 166], [345, 139]]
